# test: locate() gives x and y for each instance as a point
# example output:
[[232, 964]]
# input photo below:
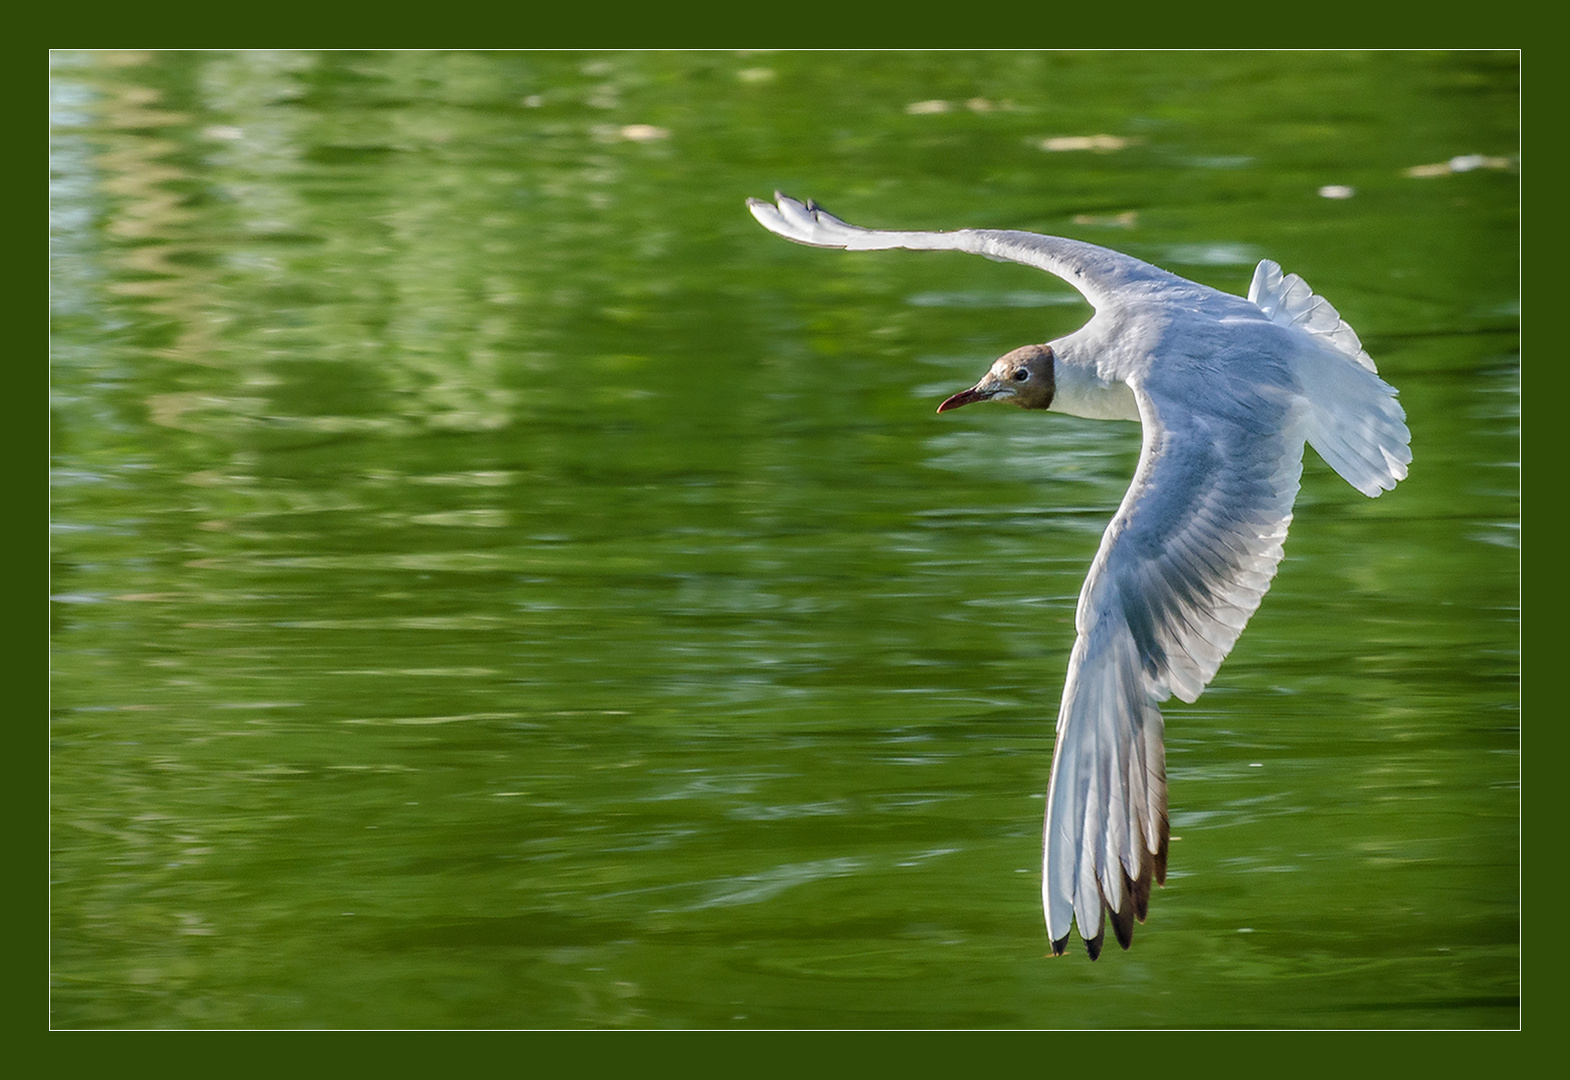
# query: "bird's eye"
[[1020, 375]]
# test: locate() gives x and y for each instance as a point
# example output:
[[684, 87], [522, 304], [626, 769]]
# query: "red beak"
[[964, 397]]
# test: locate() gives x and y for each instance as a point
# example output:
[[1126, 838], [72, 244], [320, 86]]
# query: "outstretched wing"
[[1097, 272], [1182, 566]]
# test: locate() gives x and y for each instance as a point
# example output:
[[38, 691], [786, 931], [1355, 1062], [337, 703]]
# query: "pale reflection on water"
[[495, 584]]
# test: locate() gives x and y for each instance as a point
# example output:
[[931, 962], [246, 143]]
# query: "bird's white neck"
[[1079, 390]]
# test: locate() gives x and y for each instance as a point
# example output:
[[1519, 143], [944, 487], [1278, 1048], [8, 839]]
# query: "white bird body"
[[1227, 390]]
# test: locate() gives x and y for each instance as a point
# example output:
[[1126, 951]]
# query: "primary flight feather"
[[1227, 390]]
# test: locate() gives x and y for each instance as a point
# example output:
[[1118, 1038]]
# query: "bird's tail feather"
[[1354, 420]]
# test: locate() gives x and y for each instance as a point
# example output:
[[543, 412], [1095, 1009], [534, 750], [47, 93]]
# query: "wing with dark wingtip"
[[1181, 568]]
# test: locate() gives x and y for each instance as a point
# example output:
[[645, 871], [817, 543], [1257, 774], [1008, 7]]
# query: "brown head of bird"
[[1023, 377]]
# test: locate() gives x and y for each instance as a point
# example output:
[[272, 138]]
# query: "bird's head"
[[1023, 377]]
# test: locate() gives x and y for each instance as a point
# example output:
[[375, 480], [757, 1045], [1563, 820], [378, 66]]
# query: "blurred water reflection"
[[498, 585]]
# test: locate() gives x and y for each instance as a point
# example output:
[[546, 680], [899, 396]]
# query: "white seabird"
[[1227, 391]]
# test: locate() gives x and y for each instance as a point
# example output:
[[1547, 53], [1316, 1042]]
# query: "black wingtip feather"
[[1093, 945], [1141, 891], [1161, 853], [1060, 945], [1123, 924]]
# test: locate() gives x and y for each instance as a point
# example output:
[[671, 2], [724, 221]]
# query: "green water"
[[498, 584]]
